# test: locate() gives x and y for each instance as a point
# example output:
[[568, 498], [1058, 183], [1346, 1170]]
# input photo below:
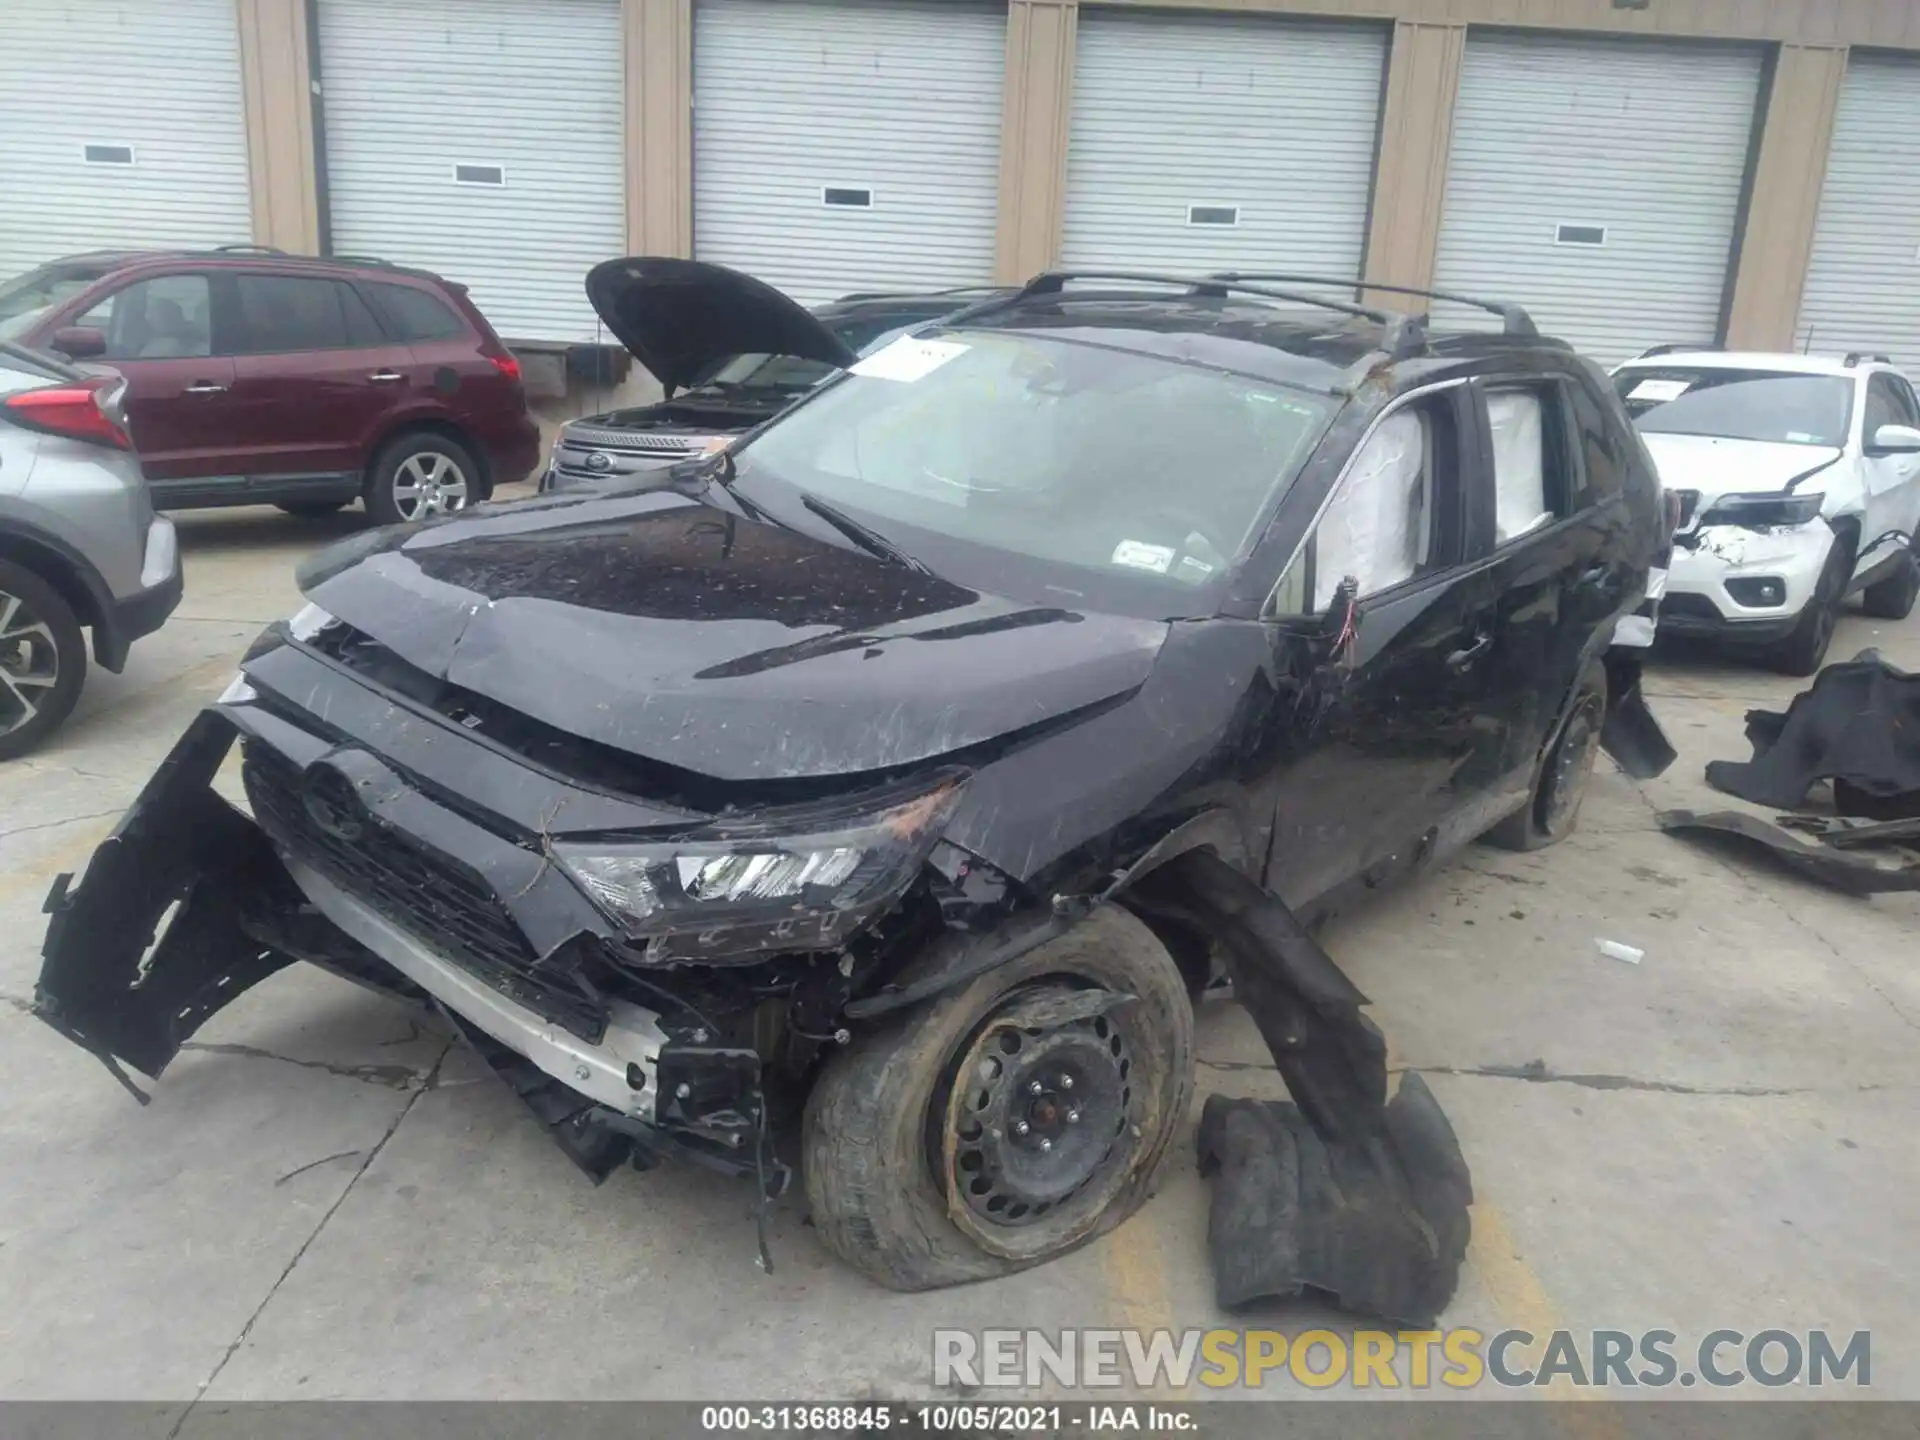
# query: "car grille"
[[628, 442], [433, 897], [1688, 607]]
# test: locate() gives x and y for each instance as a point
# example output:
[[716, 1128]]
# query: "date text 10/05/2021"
[[963, 1418]]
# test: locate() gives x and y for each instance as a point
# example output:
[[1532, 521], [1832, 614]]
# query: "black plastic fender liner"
[[1378, 1220], [1332, 1057], [1631, 734], [178, 843], [1341, 1191], [1857, 724], [1853, 872]]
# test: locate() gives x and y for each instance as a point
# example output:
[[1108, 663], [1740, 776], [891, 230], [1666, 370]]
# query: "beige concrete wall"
[[1410, 175], [274, 82], [1036, 111], [1777, 244], [1893, 23], [659, 46]]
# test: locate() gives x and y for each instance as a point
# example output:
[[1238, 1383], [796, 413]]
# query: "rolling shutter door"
[[123, 127], [1863, 283], [483, 140], [848, 146], [1216, 143], [1597, 182]]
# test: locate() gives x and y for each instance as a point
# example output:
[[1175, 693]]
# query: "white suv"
[[1798, 482]]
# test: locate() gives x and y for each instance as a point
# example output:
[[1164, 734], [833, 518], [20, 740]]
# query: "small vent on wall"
[[479, 174], [847, 197], [108, 154], [1580, 235], [1213, 215]]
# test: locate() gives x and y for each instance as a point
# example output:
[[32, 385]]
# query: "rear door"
[[440, 353], [179, 402], [1548, 513], [313, 376], [1385, 741]]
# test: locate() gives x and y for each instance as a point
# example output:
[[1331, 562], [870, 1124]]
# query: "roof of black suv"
[[1181, 317]]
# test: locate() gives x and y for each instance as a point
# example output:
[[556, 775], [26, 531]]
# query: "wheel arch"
[[427, 424], [74, 579]]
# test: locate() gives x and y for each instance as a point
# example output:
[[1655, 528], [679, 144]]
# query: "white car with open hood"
[[1798, 482]]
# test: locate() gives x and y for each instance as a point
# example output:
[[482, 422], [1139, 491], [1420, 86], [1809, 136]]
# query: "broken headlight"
[[1763, 511], [796, 880]]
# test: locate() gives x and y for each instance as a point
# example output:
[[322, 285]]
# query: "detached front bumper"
[[611, 1080], [1717, 572]]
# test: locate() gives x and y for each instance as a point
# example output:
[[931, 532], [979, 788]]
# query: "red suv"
[[255, 376]]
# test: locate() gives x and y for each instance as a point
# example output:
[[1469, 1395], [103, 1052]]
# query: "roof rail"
[[1854, 357], [1514, 319], [916, 294], [1673, 347], [350, 259], [1405, 334], [248, 250], [1052, 282]]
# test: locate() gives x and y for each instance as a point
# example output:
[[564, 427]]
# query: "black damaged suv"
[[899, 769]]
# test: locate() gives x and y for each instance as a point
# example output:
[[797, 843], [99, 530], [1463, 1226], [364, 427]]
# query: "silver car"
[[80, 544]]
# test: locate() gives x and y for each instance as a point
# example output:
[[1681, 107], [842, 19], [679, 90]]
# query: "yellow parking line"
[[1521, 1300]]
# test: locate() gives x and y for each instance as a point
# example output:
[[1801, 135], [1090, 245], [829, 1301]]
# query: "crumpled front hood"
[[721, 645], [1717, 466], [681, 317]]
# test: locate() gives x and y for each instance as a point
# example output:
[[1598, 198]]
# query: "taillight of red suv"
[[74, 409]]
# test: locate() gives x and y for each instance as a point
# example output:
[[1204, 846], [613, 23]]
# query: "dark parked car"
[[856, 770], [686, 321], [254, 376]]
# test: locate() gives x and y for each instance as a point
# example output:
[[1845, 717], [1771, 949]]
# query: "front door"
[[1892, 479], [179, 401], [1385, 737]]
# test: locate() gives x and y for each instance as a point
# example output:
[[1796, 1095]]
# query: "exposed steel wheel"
[[1007, 1121]]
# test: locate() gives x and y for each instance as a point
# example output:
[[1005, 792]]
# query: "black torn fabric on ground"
[[1378, 1220], [1852, 870], [1857, 725], [1344, 1191]]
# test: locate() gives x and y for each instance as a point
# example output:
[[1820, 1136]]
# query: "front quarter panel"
[[1063, 810]]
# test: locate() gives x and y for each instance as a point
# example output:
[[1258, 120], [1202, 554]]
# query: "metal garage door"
[[1597, 182], [847, 146], [123, 126], [1863, 285], [481, 139], [1211, 143]]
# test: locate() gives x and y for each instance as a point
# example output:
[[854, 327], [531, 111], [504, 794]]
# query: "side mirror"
[[1895, 440], [83, 342]]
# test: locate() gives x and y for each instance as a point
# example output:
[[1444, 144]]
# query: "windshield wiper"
[[869, 540], [720, 471]]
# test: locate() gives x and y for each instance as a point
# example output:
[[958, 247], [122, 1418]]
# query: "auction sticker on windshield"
[[1659, 390], [907, 359], [1143, 556]]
